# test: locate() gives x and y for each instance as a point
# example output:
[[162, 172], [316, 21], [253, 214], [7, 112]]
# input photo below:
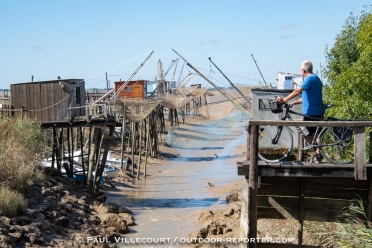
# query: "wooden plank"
[[337, 182], [311, 215], [253, 187], [354, 123], [309, 204], [285, 164], [305, 172], [360, 153]]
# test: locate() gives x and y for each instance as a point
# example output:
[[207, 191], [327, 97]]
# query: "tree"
[[348, 69]]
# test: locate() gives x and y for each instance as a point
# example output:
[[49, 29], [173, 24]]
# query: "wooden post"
[[69, 173], [105, 145], [369, 207], [300, 146], [300, 211], [122, 142], [253, 185], [370, 148], [54, 146], [360, 172], [92, 151], [247, 127], [82, 154], [140, 150], [147, 143], [133, 141]]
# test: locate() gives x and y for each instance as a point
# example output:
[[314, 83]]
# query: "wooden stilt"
[[300, 211], [59, 149], [92, 152], [54, 145], [133, 141], [140, 150], [147, 144], [105, 145], [253, 185], [82, 154], [122, 140]]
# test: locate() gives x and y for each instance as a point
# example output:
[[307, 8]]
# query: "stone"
[[232, 197], [113, 220], [62, 221], [4, 239], [129, 219], [228, 212]]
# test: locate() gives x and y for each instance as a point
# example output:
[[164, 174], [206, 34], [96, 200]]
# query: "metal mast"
[[259, 70], [215, 86], [231, 83]]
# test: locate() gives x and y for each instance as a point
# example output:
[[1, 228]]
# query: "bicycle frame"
[[310, 143]]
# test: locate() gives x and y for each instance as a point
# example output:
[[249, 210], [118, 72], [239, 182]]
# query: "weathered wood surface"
[[318, 199], [253, 184], [354, 123], [360, 171], [299, 169]]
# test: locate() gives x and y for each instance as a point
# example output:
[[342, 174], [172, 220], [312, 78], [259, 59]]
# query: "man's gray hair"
[[307, 66]]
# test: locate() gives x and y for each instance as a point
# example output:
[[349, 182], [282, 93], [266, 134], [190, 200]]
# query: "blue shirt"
[[312, 96]]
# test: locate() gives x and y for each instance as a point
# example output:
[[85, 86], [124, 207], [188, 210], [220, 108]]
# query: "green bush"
[[20, 152], [12, 202]]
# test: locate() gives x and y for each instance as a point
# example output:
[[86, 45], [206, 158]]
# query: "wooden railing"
[[358, 126], [251, 184]]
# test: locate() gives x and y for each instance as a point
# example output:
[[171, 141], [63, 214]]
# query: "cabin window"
[[128, 89], [263, 104], [77, 95]]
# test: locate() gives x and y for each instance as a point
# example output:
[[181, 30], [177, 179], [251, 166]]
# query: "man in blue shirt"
[[312, 98]]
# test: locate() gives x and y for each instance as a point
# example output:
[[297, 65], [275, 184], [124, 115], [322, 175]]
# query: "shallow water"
[[162, 203]]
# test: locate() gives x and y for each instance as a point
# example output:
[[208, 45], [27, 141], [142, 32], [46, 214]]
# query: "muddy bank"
[[61, 214]]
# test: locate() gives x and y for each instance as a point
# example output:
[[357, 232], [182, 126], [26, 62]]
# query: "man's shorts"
[[312, 130]]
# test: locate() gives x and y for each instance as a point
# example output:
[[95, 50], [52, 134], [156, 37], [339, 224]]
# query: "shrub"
[[20, 152], [12, 202], [355, 232]]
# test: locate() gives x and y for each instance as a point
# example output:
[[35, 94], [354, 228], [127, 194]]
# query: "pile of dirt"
[[61, 214]]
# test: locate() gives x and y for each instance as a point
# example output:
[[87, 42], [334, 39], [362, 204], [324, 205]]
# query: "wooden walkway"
[[299, 190]]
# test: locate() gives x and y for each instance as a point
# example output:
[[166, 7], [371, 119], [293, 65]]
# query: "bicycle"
[[336, 144]]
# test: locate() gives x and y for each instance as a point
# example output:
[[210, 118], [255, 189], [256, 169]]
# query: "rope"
[[34, 110]]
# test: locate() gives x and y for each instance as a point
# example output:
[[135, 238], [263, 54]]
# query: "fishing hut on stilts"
[[74, 128]]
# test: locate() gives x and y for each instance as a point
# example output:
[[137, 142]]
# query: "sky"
[[85, 39]]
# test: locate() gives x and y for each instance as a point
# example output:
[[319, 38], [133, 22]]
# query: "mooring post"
[[253, 185]]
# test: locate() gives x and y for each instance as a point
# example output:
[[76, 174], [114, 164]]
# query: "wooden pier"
[[299, 190]]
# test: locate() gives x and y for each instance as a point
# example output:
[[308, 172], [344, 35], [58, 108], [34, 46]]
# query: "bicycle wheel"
[[337, 145], [274, 143]]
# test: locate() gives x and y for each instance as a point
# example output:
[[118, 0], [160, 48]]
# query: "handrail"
[[343, 123], [360, 172]]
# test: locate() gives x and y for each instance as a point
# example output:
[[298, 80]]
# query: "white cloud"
[[288, 25], [209, 41]]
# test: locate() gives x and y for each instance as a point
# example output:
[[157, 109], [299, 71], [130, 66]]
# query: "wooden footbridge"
[[299, 190]]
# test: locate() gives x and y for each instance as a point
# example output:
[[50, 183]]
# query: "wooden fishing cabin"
[[50, 101]]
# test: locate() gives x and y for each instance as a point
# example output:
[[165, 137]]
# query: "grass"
[[12, 203], [355, 232], [21, 149]]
